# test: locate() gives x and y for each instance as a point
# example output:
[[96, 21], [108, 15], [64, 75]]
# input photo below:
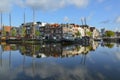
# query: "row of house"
[[39, 30], [58, 31], [8, 31]]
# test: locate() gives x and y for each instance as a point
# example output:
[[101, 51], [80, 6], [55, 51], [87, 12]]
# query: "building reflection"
[[109, 45], [51, 50], [1, 56], [55, 50]]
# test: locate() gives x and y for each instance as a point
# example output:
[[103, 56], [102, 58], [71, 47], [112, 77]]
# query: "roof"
[[55, 25], [92, 28], [7, 28]]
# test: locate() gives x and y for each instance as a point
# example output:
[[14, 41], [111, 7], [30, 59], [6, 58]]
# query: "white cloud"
[[20, 3], [55, 4], [43, 5], [105, 22], [66, 19], [6, 5], [79, 3], [45, 71], [89, 17], [118, 19]]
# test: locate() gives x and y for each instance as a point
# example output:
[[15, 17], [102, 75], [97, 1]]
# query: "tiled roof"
[[55, 25], [7, 28]]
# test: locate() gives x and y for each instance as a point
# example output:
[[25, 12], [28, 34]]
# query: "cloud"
[[78, 3], [55, 71], [105, 22], [43, 5], [20, 3], [117, 19], [117, 53], [6, 5], [46, 71], [55, 4], [89, 17], [66, 19]]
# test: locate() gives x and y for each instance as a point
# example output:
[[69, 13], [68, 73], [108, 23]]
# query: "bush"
[[109, 34]]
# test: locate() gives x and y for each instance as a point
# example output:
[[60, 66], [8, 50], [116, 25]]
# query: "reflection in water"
[[59, 62], [109, 45], [55, 50], [1, 56]]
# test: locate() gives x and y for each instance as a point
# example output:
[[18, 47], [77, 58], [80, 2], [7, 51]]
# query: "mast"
[[9, 37], [10, 23], [33, 15], [85, 25], [24, 16], [1, 26], [82, 21], [85, 21], [33, 23]]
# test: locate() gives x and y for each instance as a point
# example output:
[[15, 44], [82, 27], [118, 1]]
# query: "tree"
[[89, 33], [109, 34], [13, 32], [4, 33], [37, 33], [23, 31], [78, 34]]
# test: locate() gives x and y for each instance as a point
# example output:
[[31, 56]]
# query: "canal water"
[[97, 61]]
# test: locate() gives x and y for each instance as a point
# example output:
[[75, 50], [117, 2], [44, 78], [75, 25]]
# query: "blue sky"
[[99, 13]]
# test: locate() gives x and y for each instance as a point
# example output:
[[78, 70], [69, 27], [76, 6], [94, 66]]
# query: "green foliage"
[[22, 49], [37, 33], [78, 48], [37, 47], [89, 33], [13, 32], [109, 45], [90, 48], [78, 34], [109, 34], [4, 33], [23, 31], [13, 47]]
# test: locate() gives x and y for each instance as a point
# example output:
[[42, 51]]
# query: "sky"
[[98, 13]]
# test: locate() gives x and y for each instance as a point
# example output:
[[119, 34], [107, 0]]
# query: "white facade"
[[96, 33], [68, 32], [82, 31]]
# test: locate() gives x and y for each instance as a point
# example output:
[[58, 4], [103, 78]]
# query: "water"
[[98, 61]]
